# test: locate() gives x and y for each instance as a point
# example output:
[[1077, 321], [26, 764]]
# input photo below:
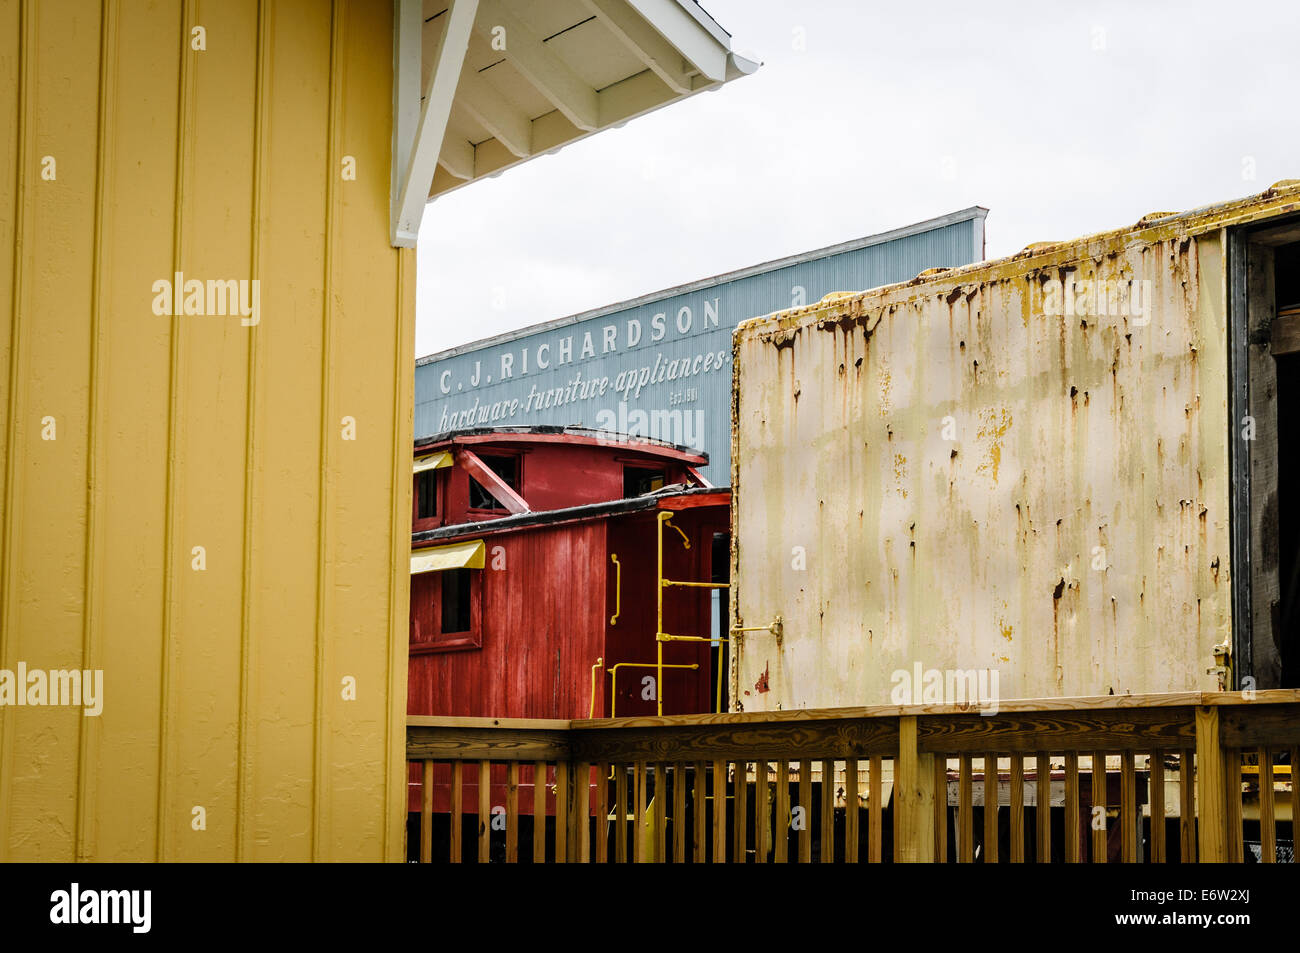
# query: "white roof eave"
[[420, 121]]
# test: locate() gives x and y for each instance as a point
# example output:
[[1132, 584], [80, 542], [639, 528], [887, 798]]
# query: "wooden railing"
[[1150, 778]]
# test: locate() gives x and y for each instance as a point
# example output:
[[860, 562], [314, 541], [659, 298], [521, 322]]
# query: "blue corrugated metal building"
[[660, 365]]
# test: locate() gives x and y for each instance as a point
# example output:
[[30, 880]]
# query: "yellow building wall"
[[224, 687]]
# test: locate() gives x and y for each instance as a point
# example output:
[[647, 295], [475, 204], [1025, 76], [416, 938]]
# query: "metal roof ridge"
[[878, 238]]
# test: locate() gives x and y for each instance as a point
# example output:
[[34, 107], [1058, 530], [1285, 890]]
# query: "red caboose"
[[565, 573]]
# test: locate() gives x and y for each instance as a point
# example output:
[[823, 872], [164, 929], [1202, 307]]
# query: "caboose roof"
[[669, 498]]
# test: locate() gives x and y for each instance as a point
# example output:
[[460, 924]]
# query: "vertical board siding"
[[543, 625], [49, 377], [223, 688]]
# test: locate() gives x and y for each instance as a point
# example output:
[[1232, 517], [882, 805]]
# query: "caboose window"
[[455, 600], [507, 468], [446, 597], [638, 481], [426, 489]]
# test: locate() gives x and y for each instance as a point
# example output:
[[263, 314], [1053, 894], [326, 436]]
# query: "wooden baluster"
[[1187, 806], [781, 815], [827, 853], [701, 819], [1016, 808], [913, 796], [741, 825], [602, 812], [965, 824], [455, 811], [851, 811], [761, 813], [805, 802], [512, 813], [1098, 823], [679, 813], [1043, 814], [1295, 799], [639, 805], [661, 814], [719, 812], [1267, 831], [580, 824], [1156, 798], [875, 828], [620, 811], [990, 809], [426, 813], [539, 812], [561, 812], [1127, 809], [1071, 824], [1232, 777], [1211, 800], [484, 812], [940, 809]]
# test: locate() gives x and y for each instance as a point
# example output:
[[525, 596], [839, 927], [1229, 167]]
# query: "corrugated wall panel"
[[695, 408], [224, 682]]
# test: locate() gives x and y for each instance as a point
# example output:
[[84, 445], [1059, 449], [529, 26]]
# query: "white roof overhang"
[[482, 85]]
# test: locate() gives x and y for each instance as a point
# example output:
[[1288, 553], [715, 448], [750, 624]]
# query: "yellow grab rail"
[[618, 588], [600, 663]]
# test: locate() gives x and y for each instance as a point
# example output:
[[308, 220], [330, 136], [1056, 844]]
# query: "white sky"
[[892, 113]]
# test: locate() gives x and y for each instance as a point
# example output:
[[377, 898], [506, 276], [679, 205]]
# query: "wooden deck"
[[1133, 778]]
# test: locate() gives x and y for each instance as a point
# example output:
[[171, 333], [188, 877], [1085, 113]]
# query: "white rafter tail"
[[541, 67], [504, 120], [457, 157], [644, 42], [428, 145], [702, 43]]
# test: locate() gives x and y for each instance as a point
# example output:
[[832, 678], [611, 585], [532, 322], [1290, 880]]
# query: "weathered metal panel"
[[944, 474], [624, 361]]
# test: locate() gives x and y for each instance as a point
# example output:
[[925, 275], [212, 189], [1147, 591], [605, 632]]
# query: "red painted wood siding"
[[542, 626]]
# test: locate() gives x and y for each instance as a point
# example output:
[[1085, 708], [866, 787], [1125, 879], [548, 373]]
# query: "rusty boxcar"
[[1070, 467]]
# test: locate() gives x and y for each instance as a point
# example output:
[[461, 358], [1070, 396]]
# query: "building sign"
[[660, 366]]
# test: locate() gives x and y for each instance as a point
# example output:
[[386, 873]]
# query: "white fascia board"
[[698, 45]]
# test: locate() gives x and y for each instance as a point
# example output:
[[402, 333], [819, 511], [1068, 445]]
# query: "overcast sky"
[[1060, 118]]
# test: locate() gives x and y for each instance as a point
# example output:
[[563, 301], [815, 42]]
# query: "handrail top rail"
[[462, 721], [1088, 703]]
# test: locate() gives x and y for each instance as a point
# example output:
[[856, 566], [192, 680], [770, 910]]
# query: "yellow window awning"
[[466, 555], [435, 461]]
